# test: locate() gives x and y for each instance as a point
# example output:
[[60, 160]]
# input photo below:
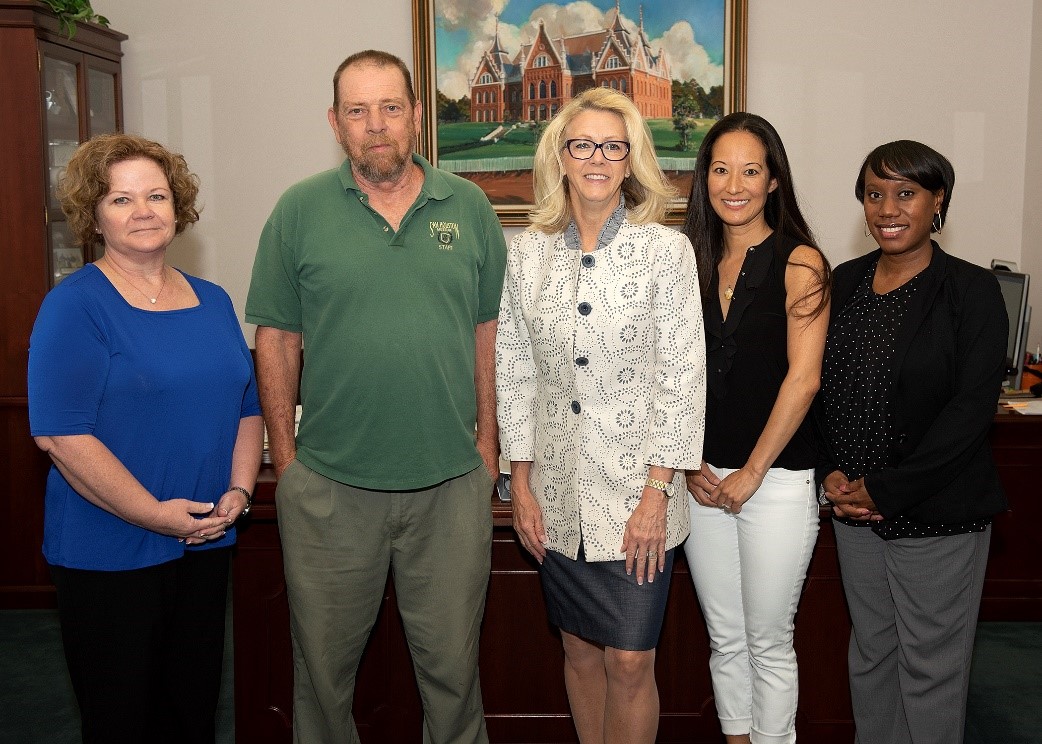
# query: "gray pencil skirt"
[[598, 602]]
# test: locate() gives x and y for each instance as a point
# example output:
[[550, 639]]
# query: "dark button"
[[576, 407], [582, 361], [585, 308], [589, 261]]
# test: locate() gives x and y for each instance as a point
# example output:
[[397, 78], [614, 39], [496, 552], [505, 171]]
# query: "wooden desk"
[[521, 658]]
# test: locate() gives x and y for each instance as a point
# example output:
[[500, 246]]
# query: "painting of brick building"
[[493, 73], [533, 83]]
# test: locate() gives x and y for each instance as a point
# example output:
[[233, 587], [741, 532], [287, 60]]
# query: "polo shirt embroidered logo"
[[445, 232]]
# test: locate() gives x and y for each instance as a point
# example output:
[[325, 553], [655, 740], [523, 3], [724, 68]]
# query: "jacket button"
[[585, 308], [582, 361], [588, 261], [576, 407]]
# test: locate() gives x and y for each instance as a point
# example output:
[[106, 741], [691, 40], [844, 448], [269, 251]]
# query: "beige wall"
[[1031, 232], [244, 96]]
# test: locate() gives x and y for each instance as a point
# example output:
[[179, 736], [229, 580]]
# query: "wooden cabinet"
[[55, 92], [521, 659]]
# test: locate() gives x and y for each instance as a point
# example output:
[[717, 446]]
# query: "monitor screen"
[[1014, 288]]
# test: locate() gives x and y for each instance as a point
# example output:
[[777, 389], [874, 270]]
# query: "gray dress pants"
[[913, 603]]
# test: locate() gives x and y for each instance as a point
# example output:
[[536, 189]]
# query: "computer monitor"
[[1014, 288]]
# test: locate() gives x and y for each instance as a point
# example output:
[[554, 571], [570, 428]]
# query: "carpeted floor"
[[1005, 700], [37, 704]]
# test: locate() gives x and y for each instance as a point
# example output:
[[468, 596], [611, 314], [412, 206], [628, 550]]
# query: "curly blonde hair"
[[86, 181], [646, 189]]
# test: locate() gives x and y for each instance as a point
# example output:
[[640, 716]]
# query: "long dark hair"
[[705, 229]]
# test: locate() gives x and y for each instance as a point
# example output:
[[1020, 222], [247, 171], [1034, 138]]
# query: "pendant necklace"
[[144, 294]]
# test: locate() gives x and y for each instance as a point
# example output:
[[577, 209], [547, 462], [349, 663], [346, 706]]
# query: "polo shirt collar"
[[435, 184]]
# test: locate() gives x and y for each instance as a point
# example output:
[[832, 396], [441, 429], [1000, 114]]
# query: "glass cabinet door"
[[80, 99], [66, 256], [103, 112], [61, 102], [61, 116]]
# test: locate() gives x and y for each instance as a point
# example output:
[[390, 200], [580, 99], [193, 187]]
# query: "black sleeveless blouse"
[[747, 359]]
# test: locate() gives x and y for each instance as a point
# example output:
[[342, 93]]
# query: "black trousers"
[[145, 647]]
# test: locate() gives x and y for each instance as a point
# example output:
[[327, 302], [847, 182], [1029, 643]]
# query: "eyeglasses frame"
[[597, 146]]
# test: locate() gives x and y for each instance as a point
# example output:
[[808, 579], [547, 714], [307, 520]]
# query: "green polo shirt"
[[387, 318]]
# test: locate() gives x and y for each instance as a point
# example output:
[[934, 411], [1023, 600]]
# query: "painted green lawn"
[[667, 138], [463, 141]]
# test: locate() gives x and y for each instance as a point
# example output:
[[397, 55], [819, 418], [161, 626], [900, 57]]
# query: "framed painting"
[[492, 73]]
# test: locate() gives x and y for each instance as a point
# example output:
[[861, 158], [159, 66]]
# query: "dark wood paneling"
[[521, 657], [1013, 582], [24, 581], [23, 238]]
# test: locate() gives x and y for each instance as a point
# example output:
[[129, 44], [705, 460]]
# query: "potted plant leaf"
[[71, 11]]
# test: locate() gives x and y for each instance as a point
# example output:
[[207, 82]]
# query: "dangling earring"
[[937, 223], [867, 233]]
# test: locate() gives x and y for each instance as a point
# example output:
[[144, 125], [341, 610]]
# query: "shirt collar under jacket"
[[435, 185], [608, 232]]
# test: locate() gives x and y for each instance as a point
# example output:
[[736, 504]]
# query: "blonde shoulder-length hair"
[[646, 189]]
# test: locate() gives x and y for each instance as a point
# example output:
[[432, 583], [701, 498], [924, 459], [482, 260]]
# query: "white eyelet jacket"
[[600, 372]]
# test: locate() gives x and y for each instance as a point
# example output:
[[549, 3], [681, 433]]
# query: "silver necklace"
[[144, 294]]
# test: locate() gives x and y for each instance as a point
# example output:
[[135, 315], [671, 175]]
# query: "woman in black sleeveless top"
[[754, 517]]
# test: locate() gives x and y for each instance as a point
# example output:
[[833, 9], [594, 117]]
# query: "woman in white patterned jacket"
[[600, 367]]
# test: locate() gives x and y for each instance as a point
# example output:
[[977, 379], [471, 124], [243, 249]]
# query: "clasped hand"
[[179, 518], [850, 499], [729, 493]]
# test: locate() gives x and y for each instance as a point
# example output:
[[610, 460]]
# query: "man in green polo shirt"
[[388, 272]]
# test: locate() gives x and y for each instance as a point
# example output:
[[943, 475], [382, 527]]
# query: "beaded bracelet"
[[247, 494]]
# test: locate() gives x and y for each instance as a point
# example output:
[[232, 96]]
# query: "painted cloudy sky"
[[691, 32]]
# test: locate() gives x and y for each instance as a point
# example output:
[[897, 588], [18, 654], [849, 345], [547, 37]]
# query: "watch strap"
[[665, 486]]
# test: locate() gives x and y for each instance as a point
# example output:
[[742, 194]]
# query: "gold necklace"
[[144, 294], [729, 293]]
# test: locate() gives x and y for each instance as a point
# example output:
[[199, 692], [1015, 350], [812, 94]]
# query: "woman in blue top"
[[141, 391]]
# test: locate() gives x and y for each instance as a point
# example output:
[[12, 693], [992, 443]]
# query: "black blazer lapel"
[[918, 308]]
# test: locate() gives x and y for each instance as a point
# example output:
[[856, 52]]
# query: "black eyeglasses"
[[583, 149]]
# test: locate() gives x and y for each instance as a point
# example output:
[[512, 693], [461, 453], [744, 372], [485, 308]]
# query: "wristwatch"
[[666, 487]]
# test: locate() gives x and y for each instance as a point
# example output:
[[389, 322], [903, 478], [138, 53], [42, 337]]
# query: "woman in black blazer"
[[913, 365]]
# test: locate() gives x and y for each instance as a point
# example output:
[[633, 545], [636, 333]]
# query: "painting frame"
[[425, 14]]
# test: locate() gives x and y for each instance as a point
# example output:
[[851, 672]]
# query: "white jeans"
[[748, 570]]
